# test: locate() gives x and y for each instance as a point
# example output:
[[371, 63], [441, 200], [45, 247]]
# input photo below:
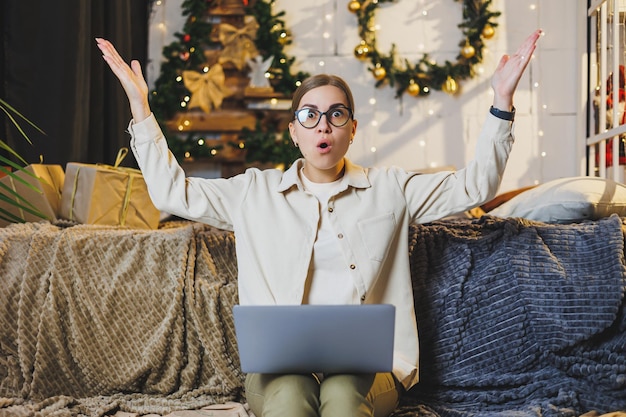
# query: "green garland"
[[420, 78], [186, 53]]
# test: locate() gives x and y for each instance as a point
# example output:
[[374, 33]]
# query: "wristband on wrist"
[[501, 114]]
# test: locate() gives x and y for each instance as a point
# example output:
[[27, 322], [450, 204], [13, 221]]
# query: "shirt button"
[[340, 235], [363, 297], [330, 209], [353, 266]]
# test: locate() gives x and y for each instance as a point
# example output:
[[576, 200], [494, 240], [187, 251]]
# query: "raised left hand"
[[509, 71]]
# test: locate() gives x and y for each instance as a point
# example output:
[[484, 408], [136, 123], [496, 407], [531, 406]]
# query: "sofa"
[[516, 317]]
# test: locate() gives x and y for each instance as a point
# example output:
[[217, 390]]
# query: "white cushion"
[[567, 200]]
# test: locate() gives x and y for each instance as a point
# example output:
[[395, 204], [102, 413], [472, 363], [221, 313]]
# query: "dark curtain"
[[53, 73]]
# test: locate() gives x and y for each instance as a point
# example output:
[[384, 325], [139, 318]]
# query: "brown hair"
[[320, 80]]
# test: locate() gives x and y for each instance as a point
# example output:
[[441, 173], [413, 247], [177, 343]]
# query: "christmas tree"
[[228, 60]]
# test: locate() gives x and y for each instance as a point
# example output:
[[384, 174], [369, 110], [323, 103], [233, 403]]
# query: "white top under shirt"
[[328, 279]]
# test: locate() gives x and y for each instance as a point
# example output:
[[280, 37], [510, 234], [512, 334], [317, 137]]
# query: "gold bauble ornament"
[[488, 31], [354, 6], [379, 73], [362, 51], [468, 51], [450, 86], [413, 89]]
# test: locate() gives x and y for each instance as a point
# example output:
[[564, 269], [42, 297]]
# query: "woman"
[[326, 231]]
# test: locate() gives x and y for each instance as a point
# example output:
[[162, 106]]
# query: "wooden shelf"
[[217, 121]]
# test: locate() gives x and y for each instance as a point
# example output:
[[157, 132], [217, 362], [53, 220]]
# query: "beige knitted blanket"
[[91, 315]]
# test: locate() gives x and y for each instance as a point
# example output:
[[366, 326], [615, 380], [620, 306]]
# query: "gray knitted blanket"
[[515, 319], [519, 318]]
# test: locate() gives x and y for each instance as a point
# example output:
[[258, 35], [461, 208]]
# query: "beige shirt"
[[275, 221]]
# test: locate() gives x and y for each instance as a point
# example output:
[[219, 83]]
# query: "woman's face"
[[325, 145]]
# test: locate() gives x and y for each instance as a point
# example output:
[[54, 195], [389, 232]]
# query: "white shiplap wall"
[[440, 130]]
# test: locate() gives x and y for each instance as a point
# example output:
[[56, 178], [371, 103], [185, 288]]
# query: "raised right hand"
[[131, 77]]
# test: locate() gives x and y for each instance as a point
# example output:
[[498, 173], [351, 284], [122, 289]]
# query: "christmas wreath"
[[420, 78]]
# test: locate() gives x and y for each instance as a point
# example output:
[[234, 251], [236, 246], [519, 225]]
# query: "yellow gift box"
[[107, 195], [39, 201]]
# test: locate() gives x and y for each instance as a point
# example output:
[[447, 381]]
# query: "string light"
[[536, 117]]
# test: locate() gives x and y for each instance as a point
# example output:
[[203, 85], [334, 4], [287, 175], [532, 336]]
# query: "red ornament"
[[187, 37]]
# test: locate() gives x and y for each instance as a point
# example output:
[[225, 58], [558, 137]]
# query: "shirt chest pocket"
[[377, 233]]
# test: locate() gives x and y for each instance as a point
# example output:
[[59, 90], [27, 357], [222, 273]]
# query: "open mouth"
[[323, 144]]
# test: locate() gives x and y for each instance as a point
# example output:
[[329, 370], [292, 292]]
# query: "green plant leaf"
[[22, 169], [15, 194], [30, 208], [6, 106], [11, 196], [10, 217]]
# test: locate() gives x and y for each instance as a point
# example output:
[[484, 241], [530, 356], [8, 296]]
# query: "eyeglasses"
[[336, 116]]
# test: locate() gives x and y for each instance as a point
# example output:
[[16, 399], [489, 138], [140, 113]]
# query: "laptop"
[[315, 338]]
